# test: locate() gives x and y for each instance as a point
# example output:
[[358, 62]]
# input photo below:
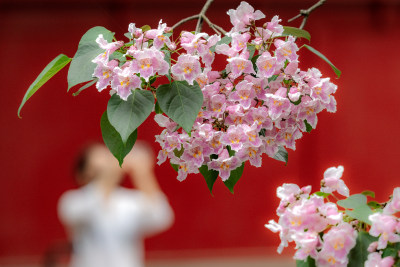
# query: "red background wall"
[[362, 38]]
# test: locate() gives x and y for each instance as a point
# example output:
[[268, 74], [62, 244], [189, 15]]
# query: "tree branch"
[[201, 16], [185, 20], [306, 12]]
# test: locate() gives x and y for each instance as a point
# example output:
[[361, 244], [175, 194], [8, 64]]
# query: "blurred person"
[[107, 222]]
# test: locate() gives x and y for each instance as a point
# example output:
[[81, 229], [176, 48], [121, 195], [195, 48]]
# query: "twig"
[[306, 12], [185, 20], [213, 26], [202, 14]]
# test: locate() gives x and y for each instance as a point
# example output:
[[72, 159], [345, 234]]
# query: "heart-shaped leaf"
[[126, 116]]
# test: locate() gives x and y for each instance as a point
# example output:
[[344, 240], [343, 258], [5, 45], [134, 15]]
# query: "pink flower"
[[373, 247], [204, 50], [252, 154], [252, 135], [384, 226], [191, 42], [328, 259], [375, 260], [259, 85], [184, 169], [239, 41], [218, 103], [136, 32], [288, 137], [124, 81], [109, 47], [332, 181], [224, 164], [243, 16], [394, 204], [244, 94], [277, 103], [239, 65], [306, 244], [104, 72], [165, 122], [236, 115], [283, 234], [149, 61], [309, 110], [323, 90], [260, 117], [267, 65], [234, 137], [158, 36], [187, 68], [339, 240], [286, 49], [274, 26], [194, 153]]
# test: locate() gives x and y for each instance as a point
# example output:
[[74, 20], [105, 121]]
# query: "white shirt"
[[109, 232]]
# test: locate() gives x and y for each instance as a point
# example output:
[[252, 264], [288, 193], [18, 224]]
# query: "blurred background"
[[361, 37]]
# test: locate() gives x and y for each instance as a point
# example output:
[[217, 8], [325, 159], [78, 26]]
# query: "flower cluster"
[[327, 234], [260, 103]]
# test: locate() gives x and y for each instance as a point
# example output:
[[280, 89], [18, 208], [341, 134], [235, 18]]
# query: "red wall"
[[362, 38]]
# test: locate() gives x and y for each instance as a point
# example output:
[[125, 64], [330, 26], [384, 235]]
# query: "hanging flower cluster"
[[214, 120], [261, 101], [328, 236]]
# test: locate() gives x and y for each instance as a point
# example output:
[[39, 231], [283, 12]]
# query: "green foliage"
[[82, 67], [374, 205], [336, 70], [174, 166], [49, 71], [296, 32], [368, 193], [356, 207], [252, 50], [391, 250], [157, 109], [113, 140], [309, 262], [209, 175], [236, 174], [85, 86], [273, 78], [127, 115], [118, 56], [145, 28], [181, 102], [254, 60], [282, 155], [167, 57], [308, 126], [359, 254]]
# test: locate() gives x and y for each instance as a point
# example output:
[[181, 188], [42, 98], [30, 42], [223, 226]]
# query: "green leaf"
[[254, 60], [273, 78], [308, 126], [374, 205], [209, 175], [322, 194], [252, 50], [167, 57], [175, 167], [236, 174], [113, 140], [118, 56], [49, 71], [82, 67], [368, 193], [391, 250], [282, 155], [181, 102], [224, 40], [309, 262], [157, 109], [296, 32], [359, 254], [127, 115], [336, 70], [145, 28], [85, 86], [356, 207]]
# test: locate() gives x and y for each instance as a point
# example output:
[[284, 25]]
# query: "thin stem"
[[201, 14], [213, 26], [306, 13], [185, 20]]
